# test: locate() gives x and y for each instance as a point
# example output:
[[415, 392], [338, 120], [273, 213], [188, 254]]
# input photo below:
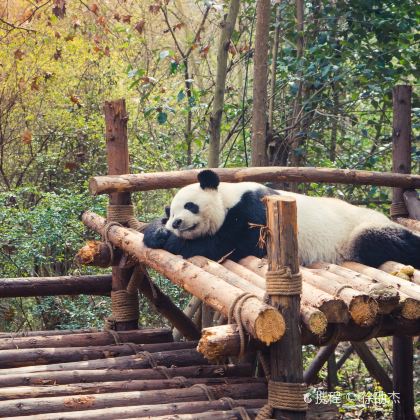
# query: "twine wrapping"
[[235, 312], [124, 213], [283, 283], [125, 306], [206, 390], [398, 209], [234, 407], [284, 396]]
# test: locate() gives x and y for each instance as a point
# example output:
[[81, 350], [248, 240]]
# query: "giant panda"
[[215, 219]]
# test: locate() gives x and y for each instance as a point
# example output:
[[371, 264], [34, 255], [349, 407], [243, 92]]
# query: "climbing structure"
[[240, 358]]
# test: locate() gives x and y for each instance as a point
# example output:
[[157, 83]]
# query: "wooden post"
[[402, 346], [118, 164], [282, 250]]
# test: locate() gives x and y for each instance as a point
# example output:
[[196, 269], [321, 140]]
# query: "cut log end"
[[364, 310], [410, 309], [270, 326], [317, 323], [87, 253]]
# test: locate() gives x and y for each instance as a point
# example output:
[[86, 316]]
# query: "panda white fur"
[[213, 219]]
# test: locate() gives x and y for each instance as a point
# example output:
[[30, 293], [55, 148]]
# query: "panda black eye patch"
[[193, 208]]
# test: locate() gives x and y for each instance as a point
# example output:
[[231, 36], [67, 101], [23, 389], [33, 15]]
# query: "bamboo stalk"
[[260, 320], [176, 179]]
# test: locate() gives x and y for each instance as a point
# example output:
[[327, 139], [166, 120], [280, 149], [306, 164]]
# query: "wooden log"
[[282, 252], [363, 309], [409, 223], [103, 338], [402, 271], [407, 287], [42, 356], [101, 375], [311, 373], [54, 286], [48, 405], [47, 333], [189, 312], [373, 366], [235, 413], [116, 118], [347, 353], [165, 307], [386, 297], [97, 254], [409, 307], [184, 357], [333, 308], [261, 321], [223, 341], [21, 392], [176, 179], [148, 411], [314, 319]]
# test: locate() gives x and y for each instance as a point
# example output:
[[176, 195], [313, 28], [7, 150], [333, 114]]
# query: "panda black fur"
[[213, 219]]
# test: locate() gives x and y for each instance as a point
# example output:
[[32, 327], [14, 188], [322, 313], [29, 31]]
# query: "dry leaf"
[[126, 19], [107, 51], [34, 84], [154, 8], [75, 99], [19, 54], [204, 51], [57, 54], [94, 8], [139, 27], [117, 16], [26, 136]]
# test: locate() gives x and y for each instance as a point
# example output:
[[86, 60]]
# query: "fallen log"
[[143, 336], [387, 297], [97, 375], [314, 319], [235, 413], [42, 356], [260, 320], [21, 392], [55, 286], [333, 308], [148, 411], [402, 271], [48, 405], [139, 361], [175, 179]]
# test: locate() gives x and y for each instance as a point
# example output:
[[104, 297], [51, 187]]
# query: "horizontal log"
[[235, 413], [313, 318], [97, 375], [21, 392], [148, 411], [46, 333], [261, 321], [386, 297], [103, 338], [334, 309], [139, 361], [55, 286], [42, 356], [175, 179], [402, 271], [48, 405], [409, 223], [224, 341]]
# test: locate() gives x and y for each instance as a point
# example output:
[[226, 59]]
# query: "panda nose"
[[176, 223]]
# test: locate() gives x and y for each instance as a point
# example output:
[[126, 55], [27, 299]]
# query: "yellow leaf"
[[26, 136]]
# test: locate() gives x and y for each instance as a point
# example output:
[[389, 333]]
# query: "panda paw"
[[156, 235]]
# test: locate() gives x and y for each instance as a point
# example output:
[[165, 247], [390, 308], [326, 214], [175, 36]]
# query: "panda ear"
[[208, 179]]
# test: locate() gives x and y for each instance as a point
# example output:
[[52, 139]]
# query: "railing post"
[[402, 346], [116, 118], [286, 363]]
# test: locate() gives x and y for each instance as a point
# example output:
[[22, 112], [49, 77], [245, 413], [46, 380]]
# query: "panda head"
[[197, 209]]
